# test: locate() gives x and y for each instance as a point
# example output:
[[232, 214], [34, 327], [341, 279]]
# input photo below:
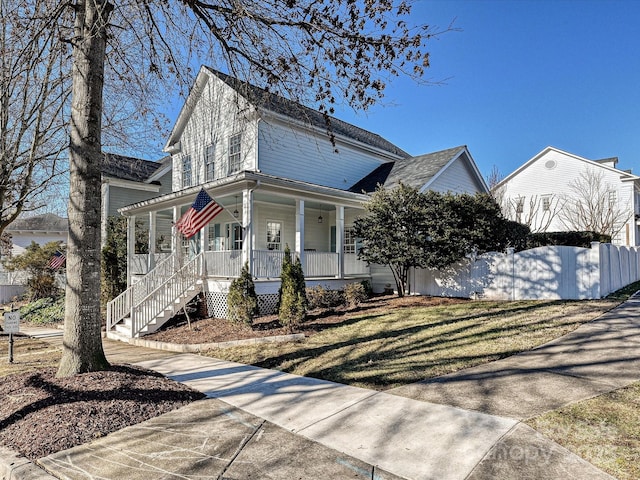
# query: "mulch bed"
[[211, 330], [41, 414]]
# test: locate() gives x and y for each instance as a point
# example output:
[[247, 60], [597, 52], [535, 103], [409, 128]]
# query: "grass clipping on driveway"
[[411, 339]]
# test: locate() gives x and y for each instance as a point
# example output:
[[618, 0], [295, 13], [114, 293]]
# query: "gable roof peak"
[[263, 98]]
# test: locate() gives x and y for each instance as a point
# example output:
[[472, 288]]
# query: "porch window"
[[274, 235], [235, 153], [209, 163], [349, 240], [187, 177]]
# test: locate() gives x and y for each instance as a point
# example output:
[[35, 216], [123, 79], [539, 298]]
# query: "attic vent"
[[550, 164]]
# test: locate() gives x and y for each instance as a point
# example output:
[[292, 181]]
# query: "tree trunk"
[[400, 276], [82, 341]]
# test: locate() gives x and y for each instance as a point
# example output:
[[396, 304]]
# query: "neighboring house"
[[41, 229], [127, 180], [548, 192], [282, 180]]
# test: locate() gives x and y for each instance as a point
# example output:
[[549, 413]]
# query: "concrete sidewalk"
[[598, 357], [261, 423]]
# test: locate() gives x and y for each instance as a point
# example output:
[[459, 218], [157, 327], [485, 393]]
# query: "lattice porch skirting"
[[217, 304]]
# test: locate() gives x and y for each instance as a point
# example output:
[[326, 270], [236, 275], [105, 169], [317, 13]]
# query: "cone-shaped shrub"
[[292, 302], [242, 301]]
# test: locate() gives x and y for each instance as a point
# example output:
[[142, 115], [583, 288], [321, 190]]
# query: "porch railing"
[[171, 292], [321, 264], [120, 307], [223, 263], [267, 263], [139, 264]]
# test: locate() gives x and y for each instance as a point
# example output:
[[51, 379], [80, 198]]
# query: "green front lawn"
[[388, 347]]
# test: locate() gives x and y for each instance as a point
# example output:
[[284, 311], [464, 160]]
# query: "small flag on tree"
[[201, 212], [57, 260]]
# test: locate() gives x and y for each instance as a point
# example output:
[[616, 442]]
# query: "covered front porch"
[[261, 216], [259, 219]]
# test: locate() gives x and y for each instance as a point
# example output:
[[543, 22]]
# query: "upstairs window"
[[187, 173], [613, 197], [519, 209], [235, 153], [546, 203], [209, 163]]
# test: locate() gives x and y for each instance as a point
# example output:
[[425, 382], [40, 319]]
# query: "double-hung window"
[[519, 208], [546, 203], [187, 173], [349, 240], [235, 153], [274, 235], [209, 163]]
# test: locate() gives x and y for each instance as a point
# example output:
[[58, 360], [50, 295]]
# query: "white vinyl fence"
[[552, 272]]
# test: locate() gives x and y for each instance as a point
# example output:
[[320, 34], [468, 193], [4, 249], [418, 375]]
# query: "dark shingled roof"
[[46, 222], [128, 168], [412, 171], [369, 183], [262, 98], [613, 160]]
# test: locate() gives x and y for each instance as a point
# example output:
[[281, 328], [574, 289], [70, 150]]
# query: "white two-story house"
[[282, 180], [558, 191]]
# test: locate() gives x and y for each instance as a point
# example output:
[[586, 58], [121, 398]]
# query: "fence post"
[[595, 267], [511, 253]]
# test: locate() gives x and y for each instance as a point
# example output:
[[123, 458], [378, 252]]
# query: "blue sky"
[[520, 76], [517, 76]]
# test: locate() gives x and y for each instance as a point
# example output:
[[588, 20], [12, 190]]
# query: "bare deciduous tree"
[[34, 88], [593, 205], [538, 213], [323, 51]]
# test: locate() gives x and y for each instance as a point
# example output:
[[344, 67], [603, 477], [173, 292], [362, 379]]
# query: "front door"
[[234, 236]]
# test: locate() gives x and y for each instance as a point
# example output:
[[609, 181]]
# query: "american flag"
[[57, 260], [202, 211]]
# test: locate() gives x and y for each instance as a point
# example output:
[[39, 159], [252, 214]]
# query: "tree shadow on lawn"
[[400, 356]]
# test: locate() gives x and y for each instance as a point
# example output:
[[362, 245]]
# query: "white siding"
[[457, 178], [552, 174], [218, 114], [288, 152]]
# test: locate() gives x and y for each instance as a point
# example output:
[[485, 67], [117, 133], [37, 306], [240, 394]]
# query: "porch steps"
[[123, 328]]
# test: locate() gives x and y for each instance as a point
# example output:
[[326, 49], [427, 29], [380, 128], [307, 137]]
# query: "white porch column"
[[175, 242], [248, 240], [204, 238], [340, 239], [300, 232], [131, 246], [151, 258]]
